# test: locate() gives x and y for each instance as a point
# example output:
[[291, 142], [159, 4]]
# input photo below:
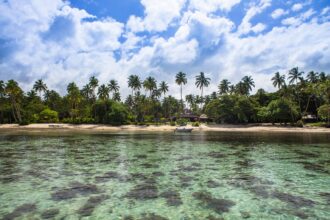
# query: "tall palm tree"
[[134, 82], [224, 87], [190, 99], [93, 83], [103, 92], [113, 87], [87, 91], [15, 95], [248, 82], [181, 79], [202, 81], [39, 86], [163, 87], [312, 77], [116, 97], [2, 88], [278, 80], [294, 75], [150, 84]]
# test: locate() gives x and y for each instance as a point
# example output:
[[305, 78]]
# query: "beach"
[[167, 128]]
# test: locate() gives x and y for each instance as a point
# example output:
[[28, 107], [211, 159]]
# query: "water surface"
[[164, 176]]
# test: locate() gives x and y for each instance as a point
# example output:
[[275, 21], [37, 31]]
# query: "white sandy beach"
[[220, 128]]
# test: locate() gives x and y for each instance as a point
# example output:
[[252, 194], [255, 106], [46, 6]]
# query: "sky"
[[62, 41]]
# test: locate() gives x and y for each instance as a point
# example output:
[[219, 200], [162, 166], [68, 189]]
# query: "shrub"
[[118, 114], [300, 124], [196, 124], [172, 123], [48, 115], [181, 122]]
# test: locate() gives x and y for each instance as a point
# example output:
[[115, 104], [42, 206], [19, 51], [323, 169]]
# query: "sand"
[[219, 128]]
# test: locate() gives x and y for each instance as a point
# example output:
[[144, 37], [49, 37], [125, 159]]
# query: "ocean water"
[[65, 175]]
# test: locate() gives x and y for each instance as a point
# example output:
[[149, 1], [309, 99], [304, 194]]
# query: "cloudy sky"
[[63, 41]]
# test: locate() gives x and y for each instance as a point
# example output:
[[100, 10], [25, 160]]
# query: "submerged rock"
[[74, 189], [144, 191], [91, 204], [296, 201], [172, 198], [152, 216], [20, 210], [216, 155], [50, 213], [212, 184], [218, 205]]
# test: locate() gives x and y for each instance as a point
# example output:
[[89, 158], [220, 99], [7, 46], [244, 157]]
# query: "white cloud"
[[325, 10], [246, 27], [295, 21], [158, 15], [297, 7], [278, 13], [209, 6]]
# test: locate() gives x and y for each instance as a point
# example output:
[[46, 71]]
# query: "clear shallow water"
[[164, 176]]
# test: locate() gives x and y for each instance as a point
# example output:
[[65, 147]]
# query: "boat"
[[183, 129]]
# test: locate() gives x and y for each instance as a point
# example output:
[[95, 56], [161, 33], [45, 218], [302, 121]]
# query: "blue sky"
[[63, 41]]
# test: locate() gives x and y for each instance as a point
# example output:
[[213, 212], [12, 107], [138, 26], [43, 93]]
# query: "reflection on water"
[[164, 176]]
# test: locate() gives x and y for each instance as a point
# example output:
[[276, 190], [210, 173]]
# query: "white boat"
[[183, 129]]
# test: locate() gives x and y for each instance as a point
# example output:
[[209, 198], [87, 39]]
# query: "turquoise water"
[[164, 176]]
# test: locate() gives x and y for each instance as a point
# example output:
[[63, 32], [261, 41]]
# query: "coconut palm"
[[134, 82], [103, 92], [93, 83], [181, 79], [248, 82], [295, 75], [87, 91], [116, 97], [202, 81], [190, 99], [15, 95], [312, 77], [113, 87], [39, 86], [163, 87], [150, 84], [2, 89], [224, 87], [278, 80]]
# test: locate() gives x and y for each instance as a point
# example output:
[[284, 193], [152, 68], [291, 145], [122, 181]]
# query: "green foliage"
[[196, 124], [300, 123], [48, 116], [182, 122], [283, 111], [324, 112], [172, 123], [118, 114]]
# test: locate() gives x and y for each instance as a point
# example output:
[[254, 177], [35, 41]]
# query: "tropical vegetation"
[[298, 95]]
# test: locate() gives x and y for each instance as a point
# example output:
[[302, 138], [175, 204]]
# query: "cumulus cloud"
[[297, 7], [278, 13], [60, 43], [208, 6]]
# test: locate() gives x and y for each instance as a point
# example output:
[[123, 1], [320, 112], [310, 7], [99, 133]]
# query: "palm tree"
[[103, 92], [295, 75], [248, 82], [116, 97], [15, 95], [202, 81], [181, 79], [190, 99], [39, 86], [312, 77], [224, 87], [93, 83], [150, 84], [278, 80], [163, 87], [113, 87], [134, 82], [87, 91]]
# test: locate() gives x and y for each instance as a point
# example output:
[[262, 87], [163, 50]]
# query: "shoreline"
[[161, 128]]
